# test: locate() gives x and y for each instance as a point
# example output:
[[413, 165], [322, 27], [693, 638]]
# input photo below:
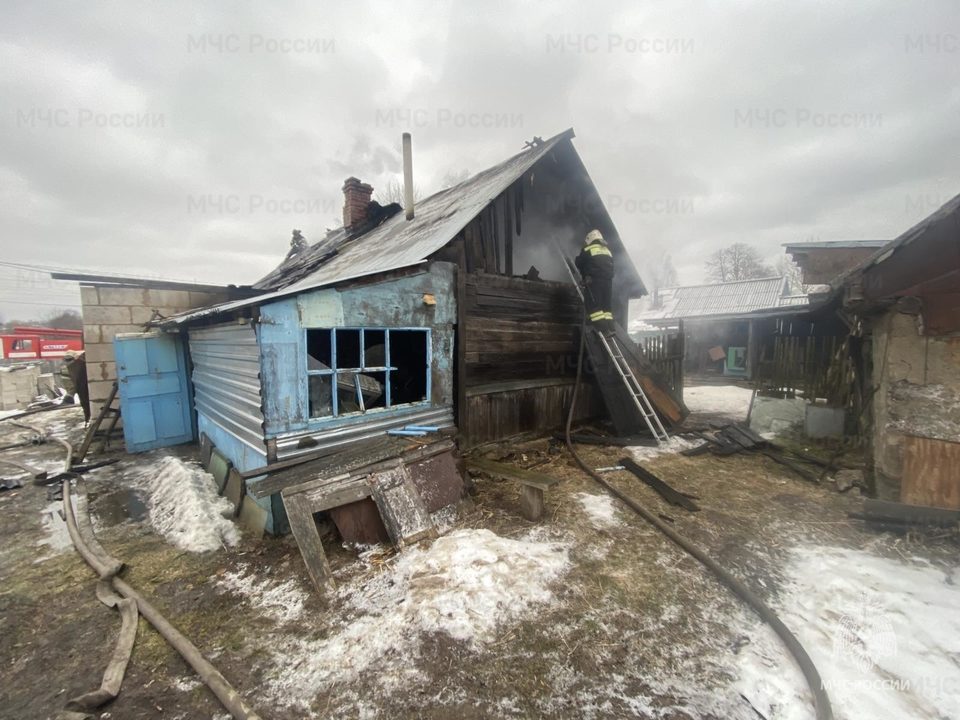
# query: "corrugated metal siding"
[[226, 380], [371, 426], [728, 298]]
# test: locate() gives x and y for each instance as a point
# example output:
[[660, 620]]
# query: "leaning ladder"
[[612, 348]]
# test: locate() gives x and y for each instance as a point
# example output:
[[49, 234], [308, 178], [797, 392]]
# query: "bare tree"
[[736, 262], [662, 275], [792, 272], [65, 320], [393, 193]]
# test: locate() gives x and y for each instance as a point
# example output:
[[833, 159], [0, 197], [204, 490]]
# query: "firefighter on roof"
[[595, 263]]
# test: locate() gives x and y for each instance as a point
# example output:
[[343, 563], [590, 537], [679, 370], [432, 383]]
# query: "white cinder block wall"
[[110, 310]]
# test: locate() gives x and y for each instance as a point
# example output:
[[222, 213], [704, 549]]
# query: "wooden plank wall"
[[815, 366], [664, 351], [515, 329], [499, 415], [931, 473], [520, 340]]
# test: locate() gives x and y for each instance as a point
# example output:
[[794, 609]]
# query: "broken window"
[[354, 370]]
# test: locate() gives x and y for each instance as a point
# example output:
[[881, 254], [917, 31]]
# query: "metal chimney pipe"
[[408, 175]]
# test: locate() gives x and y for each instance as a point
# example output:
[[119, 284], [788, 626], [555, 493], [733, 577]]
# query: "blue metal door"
[[155, 401]]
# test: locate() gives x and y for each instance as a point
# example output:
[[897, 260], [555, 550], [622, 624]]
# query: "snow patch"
[[57, 536], [729, 400], [465, 585], [282, 601], [186, 684], [600, 509], [671, 447], [184, 506], [884, 635], [445, 518]]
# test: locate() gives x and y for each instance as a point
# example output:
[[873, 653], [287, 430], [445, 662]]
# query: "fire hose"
[[821, 701], [115, 592]]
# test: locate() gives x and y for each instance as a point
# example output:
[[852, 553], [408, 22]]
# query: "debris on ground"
[[674, 445], [590, 614], [672, 496]]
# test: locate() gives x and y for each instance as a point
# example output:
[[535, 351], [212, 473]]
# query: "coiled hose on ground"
[[821, 701], [107, 568]]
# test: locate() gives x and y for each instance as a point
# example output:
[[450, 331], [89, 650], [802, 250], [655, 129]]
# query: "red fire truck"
[[39, 343]]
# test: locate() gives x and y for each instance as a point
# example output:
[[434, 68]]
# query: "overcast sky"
[[173, 140]]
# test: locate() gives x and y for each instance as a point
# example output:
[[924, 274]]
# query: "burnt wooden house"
[[461, 319]]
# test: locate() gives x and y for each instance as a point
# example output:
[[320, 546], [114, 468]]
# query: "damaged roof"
[[923, 260], [729, 298], [835, 244], [397, 242]]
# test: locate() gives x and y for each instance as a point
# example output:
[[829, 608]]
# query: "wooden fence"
[[664, 349], [814, 366]]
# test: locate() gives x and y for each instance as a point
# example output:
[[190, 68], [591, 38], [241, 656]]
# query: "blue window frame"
[[355, 370]]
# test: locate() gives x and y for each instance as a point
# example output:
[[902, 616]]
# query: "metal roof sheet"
[[397, 242], [730, 298], [836, 244]]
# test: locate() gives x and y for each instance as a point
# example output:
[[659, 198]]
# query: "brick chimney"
[[356, 197]]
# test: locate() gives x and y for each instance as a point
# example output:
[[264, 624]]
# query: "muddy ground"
[[636, 628]]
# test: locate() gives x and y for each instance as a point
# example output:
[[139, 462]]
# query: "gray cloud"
[[188, 141]]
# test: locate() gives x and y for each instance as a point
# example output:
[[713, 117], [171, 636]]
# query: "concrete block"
[[102, 371], [91, 334], [166, 298], [777, 414], [906, 350], [145, 314], [823, 422], [219, 467], [122, 296], [88, 295], [18, 388], [98, 352], [141, 313], [47, 384], [100, 315], [234, 489], [202, 299], [252, 518], [109, 332], [99, 389]]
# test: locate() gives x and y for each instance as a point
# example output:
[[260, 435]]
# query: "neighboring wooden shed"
[[903, 305]]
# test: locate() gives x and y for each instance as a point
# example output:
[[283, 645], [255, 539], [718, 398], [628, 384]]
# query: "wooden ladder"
[[106, 410]]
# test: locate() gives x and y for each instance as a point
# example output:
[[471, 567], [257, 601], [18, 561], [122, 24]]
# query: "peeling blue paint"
[[396, 303]]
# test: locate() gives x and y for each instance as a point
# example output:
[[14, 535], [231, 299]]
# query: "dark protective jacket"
[[595, 261]]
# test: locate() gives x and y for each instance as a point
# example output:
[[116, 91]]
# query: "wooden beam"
[[510, 472], [899, 513], [532, 502], [304, 529], [674, 497]]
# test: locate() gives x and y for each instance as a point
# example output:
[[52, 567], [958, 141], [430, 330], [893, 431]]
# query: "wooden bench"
[[533, 484]]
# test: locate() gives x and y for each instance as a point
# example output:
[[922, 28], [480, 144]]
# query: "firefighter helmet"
[[593, 236]]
